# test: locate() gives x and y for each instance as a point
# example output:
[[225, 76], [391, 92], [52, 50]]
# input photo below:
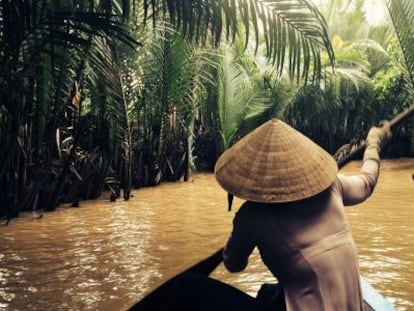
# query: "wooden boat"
[[373, 300]]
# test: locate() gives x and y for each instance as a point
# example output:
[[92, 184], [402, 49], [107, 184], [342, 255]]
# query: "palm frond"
[[240, 96], [402, 16], [356, 77], [383, 34], [295, 32]]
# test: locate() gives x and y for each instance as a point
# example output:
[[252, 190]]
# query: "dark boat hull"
[[373, 300]]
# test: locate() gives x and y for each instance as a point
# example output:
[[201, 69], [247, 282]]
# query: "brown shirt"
[[307, 244]]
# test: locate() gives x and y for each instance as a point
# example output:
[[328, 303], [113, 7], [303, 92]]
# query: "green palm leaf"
[[402, 15], [240, 95], [294, 30]]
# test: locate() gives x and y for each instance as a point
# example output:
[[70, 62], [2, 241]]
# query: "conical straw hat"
[[275, 163]]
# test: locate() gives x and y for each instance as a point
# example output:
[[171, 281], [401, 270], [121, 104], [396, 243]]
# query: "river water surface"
[[106, 256]]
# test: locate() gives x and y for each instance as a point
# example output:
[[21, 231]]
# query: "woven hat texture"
[[275, 163]]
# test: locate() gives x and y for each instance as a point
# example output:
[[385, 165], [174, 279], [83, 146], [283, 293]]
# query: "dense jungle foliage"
[[114, 95]]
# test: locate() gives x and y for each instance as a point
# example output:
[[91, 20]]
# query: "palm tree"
[[44, 46], [171, 86], [241, 93]]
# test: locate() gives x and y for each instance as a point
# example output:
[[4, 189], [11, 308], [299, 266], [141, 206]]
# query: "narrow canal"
[[105, 256]]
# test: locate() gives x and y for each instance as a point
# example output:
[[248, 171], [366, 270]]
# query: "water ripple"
[[105, 256]]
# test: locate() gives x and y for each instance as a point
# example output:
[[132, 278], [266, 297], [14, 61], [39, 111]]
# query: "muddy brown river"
[[106, 256]]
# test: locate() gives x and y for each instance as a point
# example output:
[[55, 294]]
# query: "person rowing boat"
[[294, 215]]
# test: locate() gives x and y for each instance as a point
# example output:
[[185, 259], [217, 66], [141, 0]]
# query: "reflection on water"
[[106, 256]]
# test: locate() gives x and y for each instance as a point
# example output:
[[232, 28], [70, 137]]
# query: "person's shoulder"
[[245, 207], [250, 207], [337, 186]]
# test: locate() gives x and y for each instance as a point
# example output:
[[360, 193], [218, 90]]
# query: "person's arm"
[[359, 187], [241, 242]]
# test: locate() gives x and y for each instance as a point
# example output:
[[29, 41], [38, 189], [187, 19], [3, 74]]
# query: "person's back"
[[307, 245], [303, 238]]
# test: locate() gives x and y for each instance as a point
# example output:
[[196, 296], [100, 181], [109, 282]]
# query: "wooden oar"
[[398, 119], [152, 301]]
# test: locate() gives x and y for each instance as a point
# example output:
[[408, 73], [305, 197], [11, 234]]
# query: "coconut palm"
[[240, 94]]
